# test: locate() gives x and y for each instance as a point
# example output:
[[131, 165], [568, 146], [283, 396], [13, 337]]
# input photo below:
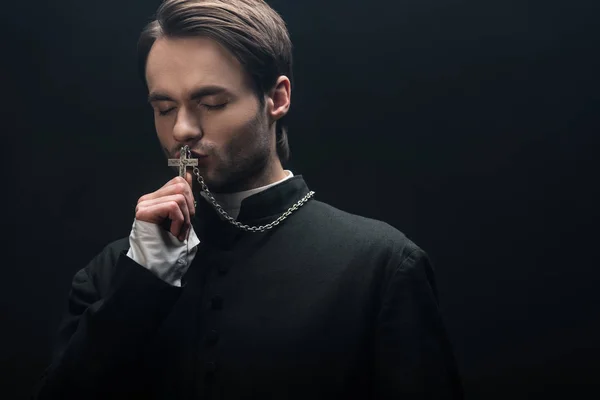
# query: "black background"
[[469, 125]]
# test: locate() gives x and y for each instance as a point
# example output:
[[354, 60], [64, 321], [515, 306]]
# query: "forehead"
[[179, 65]]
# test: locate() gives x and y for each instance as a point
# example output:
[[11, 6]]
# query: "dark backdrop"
[[469, 125]]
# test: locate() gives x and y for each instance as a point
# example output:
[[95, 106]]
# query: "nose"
[[187, 127]]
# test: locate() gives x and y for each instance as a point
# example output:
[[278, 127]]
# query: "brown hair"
[[250, 29]]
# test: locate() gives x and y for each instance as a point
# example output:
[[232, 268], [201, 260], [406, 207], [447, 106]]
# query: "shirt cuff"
[[158, 250]]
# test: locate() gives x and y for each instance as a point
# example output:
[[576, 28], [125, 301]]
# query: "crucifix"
[[183, 161]]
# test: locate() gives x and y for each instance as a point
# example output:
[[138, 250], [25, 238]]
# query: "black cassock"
[[328, 305]]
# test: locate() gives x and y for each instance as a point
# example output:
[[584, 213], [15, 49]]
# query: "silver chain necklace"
[[185, 160]]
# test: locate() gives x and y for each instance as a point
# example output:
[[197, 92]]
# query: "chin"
[[214, 182], [233, 176], [225, 184]]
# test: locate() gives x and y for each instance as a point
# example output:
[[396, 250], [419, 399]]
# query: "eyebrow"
[[196, 94]]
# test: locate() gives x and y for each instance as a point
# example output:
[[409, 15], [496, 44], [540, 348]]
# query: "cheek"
[[233, 124], [163, 129]]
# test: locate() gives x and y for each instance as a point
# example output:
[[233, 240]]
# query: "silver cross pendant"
[[183, 161]]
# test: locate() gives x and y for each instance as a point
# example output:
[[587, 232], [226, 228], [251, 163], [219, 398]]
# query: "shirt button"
[[217, 303], [212, 337], [210, 367]]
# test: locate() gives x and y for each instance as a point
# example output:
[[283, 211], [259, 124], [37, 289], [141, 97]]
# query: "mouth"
[[201, 159], [198, 155], [193, 154]]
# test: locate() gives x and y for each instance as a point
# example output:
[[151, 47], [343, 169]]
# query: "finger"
[[185, 202], [177, 219], [180, 228], [189, 178], [183, 187], [174, 186], [156, 193], [167, 215], [179, 198], [157, 210], [186, 210]]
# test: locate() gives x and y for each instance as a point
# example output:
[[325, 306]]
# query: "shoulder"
[[361, 232], [374, 250]]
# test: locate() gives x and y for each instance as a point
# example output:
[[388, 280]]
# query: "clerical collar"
[[231, 202], [261, 207]]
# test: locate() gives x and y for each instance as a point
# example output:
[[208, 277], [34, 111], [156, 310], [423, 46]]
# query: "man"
[[258, 290]]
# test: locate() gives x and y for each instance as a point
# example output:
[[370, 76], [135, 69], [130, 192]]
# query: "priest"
[[235, 281]]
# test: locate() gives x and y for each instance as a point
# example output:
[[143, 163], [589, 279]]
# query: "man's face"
[[203, 98]]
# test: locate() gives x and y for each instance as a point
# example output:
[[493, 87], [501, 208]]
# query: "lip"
[[193, 154]]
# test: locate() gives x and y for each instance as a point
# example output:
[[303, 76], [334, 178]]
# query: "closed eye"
[[212, 107], [206, 106], [165, 112]]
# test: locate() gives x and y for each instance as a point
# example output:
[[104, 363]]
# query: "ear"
[[279, 98]]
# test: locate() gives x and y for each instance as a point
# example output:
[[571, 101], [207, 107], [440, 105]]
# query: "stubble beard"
[[239, 172], [243, 164]]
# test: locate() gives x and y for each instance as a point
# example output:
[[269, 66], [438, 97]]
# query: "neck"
[[231, 201], [272, 172]]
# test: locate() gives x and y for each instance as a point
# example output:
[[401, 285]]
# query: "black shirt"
[[328, 305]]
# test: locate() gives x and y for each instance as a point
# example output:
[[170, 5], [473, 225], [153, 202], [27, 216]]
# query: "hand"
[[171, 206]]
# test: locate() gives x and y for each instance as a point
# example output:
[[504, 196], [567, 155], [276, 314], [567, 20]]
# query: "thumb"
[[189, 178]]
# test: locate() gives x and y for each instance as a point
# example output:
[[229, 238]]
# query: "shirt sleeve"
[[105, 331], [160, 252], [413, 354]]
